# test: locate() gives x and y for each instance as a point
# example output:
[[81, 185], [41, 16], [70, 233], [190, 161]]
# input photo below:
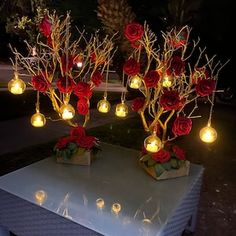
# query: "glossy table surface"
[[78, 192]]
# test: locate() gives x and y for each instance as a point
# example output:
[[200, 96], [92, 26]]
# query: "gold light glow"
[[116, 208], [16, 85], [121, 110], [103, 106], [135, 82], [208, 134], [79, 64], [40, 197], [67, 112], [152, 143], [100, 203], [167, 81], [38, 120]]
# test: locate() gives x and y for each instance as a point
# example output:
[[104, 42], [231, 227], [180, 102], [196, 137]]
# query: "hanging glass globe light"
[[208, 134], [38, 120], [167, 81], [16, 85], [135, 82], [103, 106], [67, 111], [152, 143], [121, 109]]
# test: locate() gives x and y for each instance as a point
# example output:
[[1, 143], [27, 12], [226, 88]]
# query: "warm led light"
[[79, 64], [16, 85], [208, 134], [152, 143], [40, 197], [100, 203], [135, 82], [167, 81], [38, 120], [121, 110], [116, 208], [103, 106], [67, 112]]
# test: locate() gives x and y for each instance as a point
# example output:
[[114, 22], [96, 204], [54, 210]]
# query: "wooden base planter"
[[158, 172], [78, 158]]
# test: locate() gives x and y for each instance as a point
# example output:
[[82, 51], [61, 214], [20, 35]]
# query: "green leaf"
[[174, 163], [166, 165], [181, 163], [151, 162], [145, 157], [159, 169], [72, 146]]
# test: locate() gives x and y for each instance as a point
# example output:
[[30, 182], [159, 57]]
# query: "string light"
[[135, 82], [103, 106], [16, 85], [38, 120], [121, 109], [208, 134], [167, 81], [152, 143], [67, 111]]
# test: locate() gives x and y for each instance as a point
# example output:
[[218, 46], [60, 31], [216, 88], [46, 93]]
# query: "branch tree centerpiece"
[[171, 80], [64, 69]]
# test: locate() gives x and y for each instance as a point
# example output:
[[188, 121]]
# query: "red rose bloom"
[[40, 83], [137, 103], [45, 27], [65, 85], [182, 126], [161, 156], [131, 67], [65, 67], [82, 106], [151, 79], [86, 142], [78, 132], [176, 66], [179, 152], [97, 78], [133, 32], [180, 39], [62, 142], [170, 100], [82, 90], [205, 87]]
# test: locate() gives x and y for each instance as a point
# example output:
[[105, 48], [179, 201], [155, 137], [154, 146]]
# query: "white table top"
[[71, 191]]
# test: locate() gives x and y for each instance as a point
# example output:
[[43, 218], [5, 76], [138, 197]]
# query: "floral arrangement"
[[171, 79], [76, 143], [65, 71]]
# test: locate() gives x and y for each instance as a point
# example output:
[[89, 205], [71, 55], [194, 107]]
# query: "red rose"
[[199, 74], [133, 32], [40, 83], [67, 65], [179, 152], [205, 87], [176, 66], [97, 78], [78, 132], [45, 27], [86, 142], [182, 126], [161, 156], [137, 103], [151, 79], [170, 100], [82, 90], [82, 106], [179, 39], [62, 142], [65, 85], [131, 67]]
